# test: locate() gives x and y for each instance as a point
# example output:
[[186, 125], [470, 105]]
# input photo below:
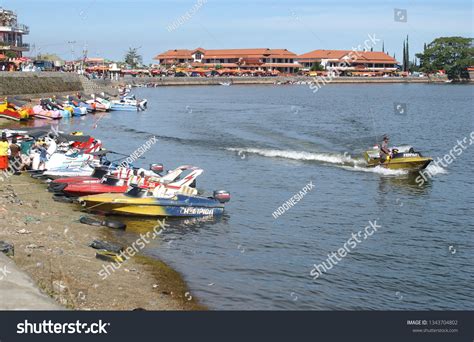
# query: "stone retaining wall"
[[22, 83], [191, 81]]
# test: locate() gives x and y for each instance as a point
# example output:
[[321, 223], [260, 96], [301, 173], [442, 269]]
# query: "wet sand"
[[51, 246]]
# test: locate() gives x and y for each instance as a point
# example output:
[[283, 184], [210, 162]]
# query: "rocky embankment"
[[52, 247]]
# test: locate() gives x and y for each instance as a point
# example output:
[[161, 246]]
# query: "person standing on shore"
[[4, 146], [43, 154], [15, 157]]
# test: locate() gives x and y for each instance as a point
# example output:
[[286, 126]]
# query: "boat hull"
[[178, 206], [78, 190], [405, 163]]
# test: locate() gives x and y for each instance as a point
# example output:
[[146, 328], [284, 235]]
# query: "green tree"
[[452, 54], [133, 58], [317, 67], [407, 58], [404, 62], [10, 54]]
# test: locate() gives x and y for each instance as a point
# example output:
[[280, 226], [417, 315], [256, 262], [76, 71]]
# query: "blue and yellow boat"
[[136, 202]]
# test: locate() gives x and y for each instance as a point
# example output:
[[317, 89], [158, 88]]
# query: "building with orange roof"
[[261, 59], [349, 62]]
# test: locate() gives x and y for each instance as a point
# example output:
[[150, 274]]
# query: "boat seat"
[[187, 190], [159, 191]]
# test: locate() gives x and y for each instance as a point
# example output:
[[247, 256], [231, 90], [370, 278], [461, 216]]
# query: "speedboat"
[[99, 104], [161, 197], [60, 184], [76, 110], [136, 202], [42, 113], [402, 158], [103, 179], [72, 152], [9, 111], [79, 103], [48, 104], [129, 103]]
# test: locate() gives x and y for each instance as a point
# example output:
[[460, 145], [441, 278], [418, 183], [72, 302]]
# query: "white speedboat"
[[129, 103]]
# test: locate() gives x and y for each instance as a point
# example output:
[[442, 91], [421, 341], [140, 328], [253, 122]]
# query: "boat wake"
[[330, 158], [378, 169], [345, 161]]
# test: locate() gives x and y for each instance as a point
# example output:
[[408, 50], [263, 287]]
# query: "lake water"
[[264, 144]]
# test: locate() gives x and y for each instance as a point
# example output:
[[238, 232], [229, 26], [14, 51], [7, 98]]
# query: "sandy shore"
[[51, 246]]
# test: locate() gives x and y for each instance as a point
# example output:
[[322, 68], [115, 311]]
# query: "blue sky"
[[109, 27]]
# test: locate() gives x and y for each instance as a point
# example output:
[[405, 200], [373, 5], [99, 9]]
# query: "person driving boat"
[[385, 152]]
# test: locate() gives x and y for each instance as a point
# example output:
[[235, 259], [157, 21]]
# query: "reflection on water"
[[408, 184], [174, 225]]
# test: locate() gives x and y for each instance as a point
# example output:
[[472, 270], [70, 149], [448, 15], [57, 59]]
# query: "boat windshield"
[[99, 172], [136, 192], [111, 181]]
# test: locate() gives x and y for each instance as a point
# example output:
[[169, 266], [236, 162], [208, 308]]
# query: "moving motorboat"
[[401, 158]]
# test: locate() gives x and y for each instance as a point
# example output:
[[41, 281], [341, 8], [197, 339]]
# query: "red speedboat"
[[59, 184], [109, 185]]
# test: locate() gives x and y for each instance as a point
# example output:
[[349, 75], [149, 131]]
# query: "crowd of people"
[[16, 156]]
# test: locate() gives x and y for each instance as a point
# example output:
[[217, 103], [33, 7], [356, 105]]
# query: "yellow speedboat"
[[8, 110], [138, 203], [402, 158], [170, 195]]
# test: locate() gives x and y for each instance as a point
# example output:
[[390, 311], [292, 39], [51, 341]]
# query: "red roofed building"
[[262, 59], [344, 62]]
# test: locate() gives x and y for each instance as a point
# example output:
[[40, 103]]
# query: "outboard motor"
[[157, 168], [404, 149], [222, 196]]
